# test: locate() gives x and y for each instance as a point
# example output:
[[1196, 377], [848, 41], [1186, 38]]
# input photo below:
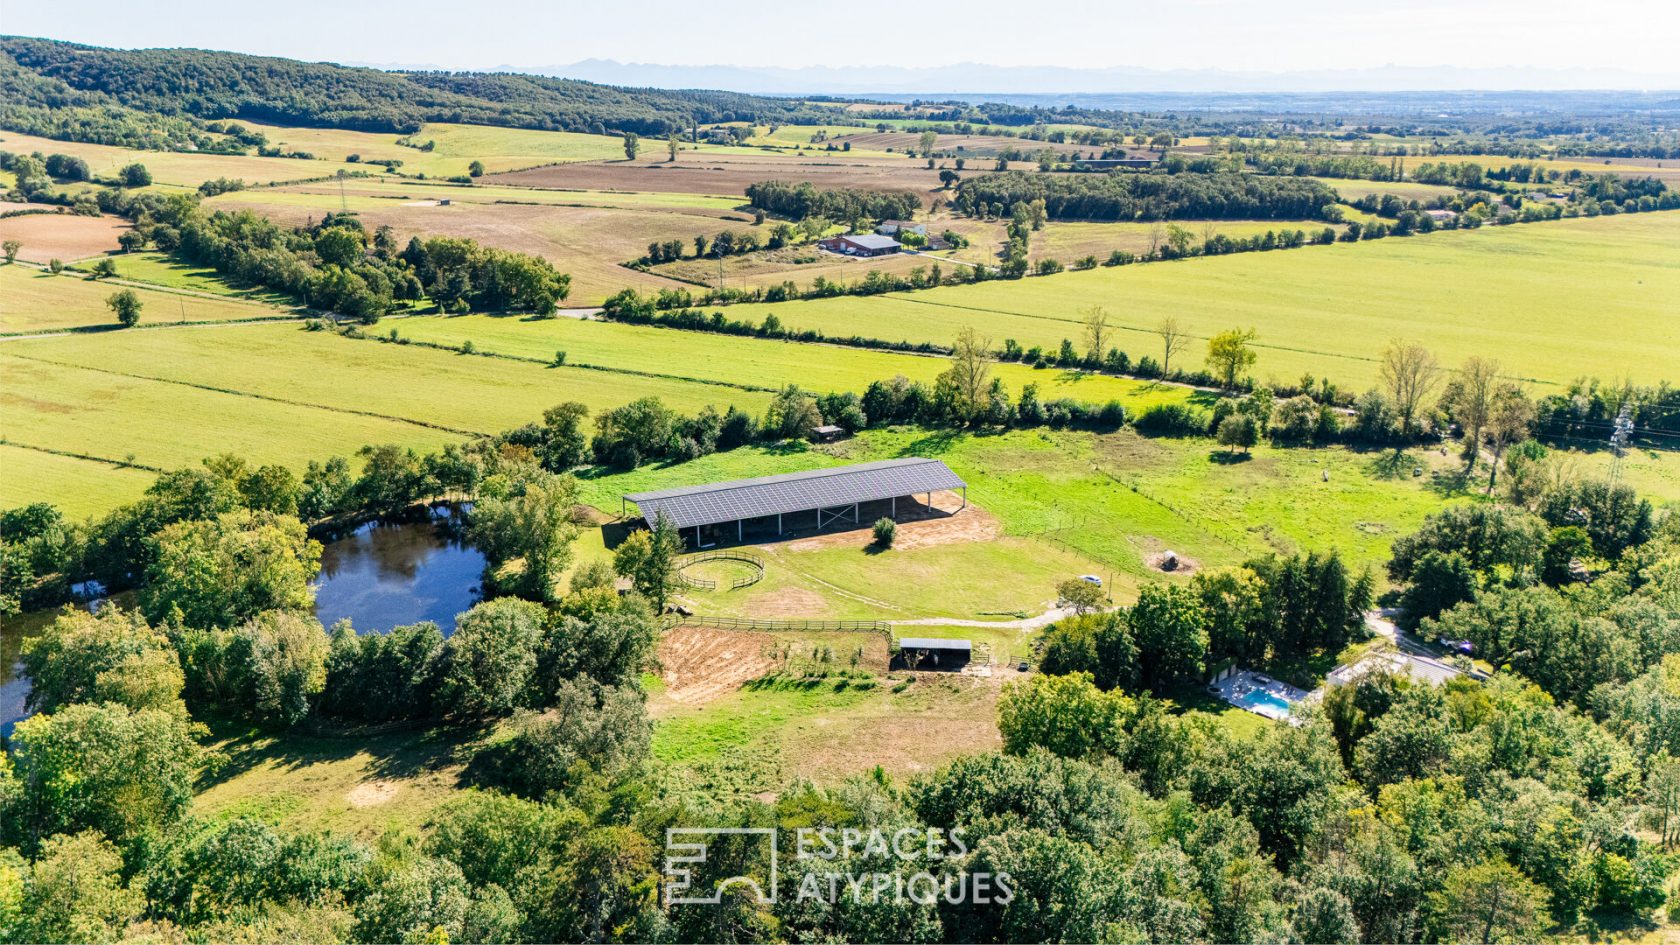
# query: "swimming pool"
[[1265, 703]]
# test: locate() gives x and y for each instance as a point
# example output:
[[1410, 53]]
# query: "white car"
[[1091, 579]]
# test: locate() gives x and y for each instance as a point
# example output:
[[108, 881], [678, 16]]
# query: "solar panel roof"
[[716, 502], [933, 643]]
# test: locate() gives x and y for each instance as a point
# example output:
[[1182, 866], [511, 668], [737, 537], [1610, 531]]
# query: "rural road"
[[1028, 623]]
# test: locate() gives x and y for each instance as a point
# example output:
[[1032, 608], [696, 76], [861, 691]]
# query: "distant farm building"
[[821, 498], [863, 244], [1441, 216], [895, 227]]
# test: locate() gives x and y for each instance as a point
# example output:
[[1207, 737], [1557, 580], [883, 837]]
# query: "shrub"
[[1171, 420], [885, 531]]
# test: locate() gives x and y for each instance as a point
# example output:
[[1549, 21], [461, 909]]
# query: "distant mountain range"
[[975, 79]]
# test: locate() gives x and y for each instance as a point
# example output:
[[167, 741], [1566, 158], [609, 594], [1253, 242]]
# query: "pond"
[[384, 574], [391, 573]]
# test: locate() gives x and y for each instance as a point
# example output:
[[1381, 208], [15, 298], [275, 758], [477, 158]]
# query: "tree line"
[[1119, 195]]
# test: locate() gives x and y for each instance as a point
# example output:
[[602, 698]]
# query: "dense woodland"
[[1118, 196], [219, 85]]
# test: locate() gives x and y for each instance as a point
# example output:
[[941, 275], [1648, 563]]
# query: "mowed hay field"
[[182, 169], [1552, 301], [455, 147], [65, 236], [33, 300], [754, 362], [79, 487], [280, 394], [587, 242], [1069, 242], [710, 172]]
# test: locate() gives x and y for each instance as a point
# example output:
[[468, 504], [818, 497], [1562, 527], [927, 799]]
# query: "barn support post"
[[778, 523], [740, 531], [895, 508], [965, 498]]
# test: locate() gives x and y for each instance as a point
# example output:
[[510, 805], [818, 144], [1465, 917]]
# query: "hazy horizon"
[[1383, 45]]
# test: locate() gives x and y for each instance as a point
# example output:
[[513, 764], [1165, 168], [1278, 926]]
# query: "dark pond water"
[[388, 574], [382, 575]]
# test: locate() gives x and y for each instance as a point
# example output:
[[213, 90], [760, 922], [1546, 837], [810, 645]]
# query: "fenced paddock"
[[753, 561]]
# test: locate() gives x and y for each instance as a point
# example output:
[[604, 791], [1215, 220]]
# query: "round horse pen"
[[755, 569]]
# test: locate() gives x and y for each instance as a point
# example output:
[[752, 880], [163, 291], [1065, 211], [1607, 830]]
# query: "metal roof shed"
[[934, 643], [831, 493]]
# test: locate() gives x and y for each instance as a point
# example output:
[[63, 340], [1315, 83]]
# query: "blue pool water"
[[1260, 700]]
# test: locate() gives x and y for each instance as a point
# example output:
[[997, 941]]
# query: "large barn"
[[863, 244], [818, 499]]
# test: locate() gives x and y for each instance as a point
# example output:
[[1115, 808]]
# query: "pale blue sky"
[[1265, 35]]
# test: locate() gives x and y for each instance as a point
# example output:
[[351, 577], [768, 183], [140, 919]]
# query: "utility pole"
[[1619, 438]]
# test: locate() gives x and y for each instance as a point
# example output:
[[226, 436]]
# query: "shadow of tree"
[[395, 750], [1224, 458]]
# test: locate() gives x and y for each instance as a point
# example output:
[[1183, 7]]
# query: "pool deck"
[[1240, 687]]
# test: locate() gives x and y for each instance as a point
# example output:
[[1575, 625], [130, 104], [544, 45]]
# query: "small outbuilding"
[[1441, 216], [827, 433], [895, 227], [861, 244], [933, 653]]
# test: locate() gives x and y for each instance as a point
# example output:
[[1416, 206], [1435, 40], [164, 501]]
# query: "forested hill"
[[212, 85]]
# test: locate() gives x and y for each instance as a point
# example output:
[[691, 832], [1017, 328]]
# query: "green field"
[[78, 487], [1552, 301], [277, 393], [182, 169], [1070, 241], [167, 271], [727, 359], [33, 300], [1109, 499]]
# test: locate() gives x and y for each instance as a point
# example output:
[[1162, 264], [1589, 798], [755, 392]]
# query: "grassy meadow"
[[180, 169], [757, 362], [1552, 301], [34, 300]]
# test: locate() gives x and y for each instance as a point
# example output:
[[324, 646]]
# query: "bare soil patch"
[[1185, 565], [789, 602], [697, 172], [49, 236], [700, 664], [917, 527], [965, 145], [372, 793]]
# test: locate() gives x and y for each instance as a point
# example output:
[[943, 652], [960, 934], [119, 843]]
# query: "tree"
[[1471, 401], [925, 143], [1238, 430], [1508, 422], [113, 656], [126, 305], [885, 531], [1488, 902], [1410, 373], [671, 147], [1230, 354], [632, 144], [612, 888], [135, 175], [969, 374], [1170, 631], [492, 658], [107, 768], [1064, 715], [1079, 595], [533, 528], [1096, 333], [475, 169], [218, 572], [565, 444], [1173, 341], [75, 892], [11, 248], [649, 560]]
